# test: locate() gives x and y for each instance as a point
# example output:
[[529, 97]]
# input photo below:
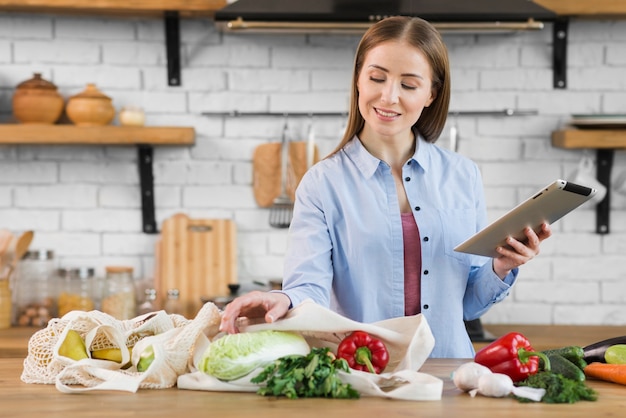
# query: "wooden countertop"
[[28, 400]]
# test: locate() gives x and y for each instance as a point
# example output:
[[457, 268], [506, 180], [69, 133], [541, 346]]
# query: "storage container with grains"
[[119, 293], [76, 291], [35, 289]]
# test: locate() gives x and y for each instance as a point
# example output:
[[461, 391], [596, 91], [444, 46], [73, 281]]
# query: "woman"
[[375, 223]]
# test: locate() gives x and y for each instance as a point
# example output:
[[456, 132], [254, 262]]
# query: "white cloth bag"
[[409, 341]]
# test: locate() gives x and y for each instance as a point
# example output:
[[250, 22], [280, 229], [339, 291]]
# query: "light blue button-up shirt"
[[345, 248]]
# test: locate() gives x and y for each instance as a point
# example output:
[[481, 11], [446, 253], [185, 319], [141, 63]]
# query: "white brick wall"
[[83, 201]]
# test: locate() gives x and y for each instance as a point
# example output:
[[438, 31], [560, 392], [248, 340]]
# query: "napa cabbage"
[[236, 355]]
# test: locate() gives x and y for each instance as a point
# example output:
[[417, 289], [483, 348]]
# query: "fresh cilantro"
[[310, 376]]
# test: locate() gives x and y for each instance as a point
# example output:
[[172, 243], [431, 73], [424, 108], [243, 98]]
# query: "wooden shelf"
[[186, 8], [585, 8], [590, 138], [141, 137], [29, 134], [605, 142]]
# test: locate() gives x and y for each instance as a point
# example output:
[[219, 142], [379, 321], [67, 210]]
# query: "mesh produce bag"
[[172, 338]]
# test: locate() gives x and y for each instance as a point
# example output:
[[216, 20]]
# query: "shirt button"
[[417, 208], [426, 239], [407, 178], [425, 271], [425, 306]]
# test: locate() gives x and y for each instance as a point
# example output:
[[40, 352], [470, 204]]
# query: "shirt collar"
[[368, 164]]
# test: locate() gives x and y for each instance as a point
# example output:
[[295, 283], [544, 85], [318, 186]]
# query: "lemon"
[[616, 354]]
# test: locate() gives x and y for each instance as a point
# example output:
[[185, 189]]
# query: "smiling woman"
[[374, 224]]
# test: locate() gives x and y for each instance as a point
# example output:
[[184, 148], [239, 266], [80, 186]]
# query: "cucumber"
[[573, 353], [562, 366]]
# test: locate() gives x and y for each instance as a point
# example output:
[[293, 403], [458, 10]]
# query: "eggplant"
[[595, 352]]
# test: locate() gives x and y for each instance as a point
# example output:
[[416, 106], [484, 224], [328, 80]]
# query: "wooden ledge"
[[29, 134]]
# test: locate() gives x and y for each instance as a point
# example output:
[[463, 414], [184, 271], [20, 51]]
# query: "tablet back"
[[547, 205]]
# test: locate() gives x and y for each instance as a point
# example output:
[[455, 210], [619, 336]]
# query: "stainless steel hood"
[[354, 16]]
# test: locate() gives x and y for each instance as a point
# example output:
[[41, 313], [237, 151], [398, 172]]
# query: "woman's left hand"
[[520, 253]]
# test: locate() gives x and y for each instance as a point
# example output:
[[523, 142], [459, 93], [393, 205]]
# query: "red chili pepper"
[[512, 355], [362, 352]]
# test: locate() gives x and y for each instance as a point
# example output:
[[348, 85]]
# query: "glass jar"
[[76, 292], [119, 293], [149, 303], [172, 303], [35, 289]]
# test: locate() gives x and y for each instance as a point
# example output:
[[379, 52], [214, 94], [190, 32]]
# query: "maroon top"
[[412, 264]]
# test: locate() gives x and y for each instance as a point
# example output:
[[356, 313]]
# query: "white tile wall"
[[84, 201]]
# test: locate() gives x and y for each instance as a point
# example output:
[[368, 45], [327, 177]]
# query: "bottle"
[[172, 303], [119, 293], [76, 292], [149, 303], [35, 289]]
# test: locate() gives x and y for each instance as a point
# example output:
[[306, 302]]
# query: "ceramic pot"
[[132, 116], [90, 107], [37, 101]]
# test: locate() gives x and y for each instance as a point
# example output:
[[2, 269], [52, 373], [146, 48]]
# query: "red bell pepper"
[[512, 355], [362, 352]]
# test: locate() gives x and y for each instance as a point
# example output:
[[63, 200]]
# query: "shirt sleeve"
[[485, 289], [308, 268]]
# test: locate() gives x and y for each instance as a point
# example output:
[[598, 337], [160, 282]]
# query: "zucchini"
[[562, 366], [596, 351]]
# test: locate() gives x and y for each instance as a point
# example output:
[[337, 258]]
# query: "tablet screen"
[[548, 204]]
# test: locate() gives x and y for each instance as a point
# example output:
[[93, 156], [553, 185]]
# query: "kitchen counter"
[[19, 399]]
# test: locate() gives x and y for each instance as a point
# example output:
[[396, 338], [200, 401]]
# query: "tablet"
[[549, 204]]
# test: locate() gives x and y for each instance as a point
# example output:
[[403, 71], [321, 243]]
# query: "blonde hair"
[[423, 36]]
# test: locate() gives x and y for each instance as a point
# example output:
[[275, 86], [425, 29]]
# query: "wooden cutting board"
[[196, 256], [266, 170]]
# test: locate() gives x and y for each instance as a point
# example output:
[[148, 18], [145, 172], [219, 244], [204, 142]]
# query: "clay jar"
[[37, 101], [90, 107]]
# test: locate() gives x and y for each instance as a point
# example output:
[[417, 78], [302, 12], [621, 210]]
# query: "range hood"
[[355, 16]]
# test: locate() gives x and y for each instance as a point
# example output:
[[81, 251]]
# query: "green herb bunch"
[[310, 376], [559, 389]]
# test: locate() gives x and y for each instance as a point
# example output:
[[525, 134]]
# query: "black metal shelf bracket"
[[559, 52], [172, 47], [604, 165], [146, 182]]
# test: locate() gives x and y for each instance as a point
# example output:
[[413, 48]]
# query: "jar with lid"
[[76, 291], [149, 303], [35, 290], [119, 292], [172, 304]]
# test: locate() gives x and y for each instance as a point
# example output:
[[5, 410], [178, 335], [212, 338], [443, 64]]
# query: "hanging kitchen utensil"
[[282, 207], [266, 177]]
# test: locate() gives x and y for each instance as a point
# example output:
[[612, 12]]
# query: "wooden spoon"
[[23, 242], [21, 246], [5, 240]]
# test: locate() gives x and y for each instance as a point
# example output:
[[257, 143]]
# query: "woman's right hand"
[[268, 305]]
